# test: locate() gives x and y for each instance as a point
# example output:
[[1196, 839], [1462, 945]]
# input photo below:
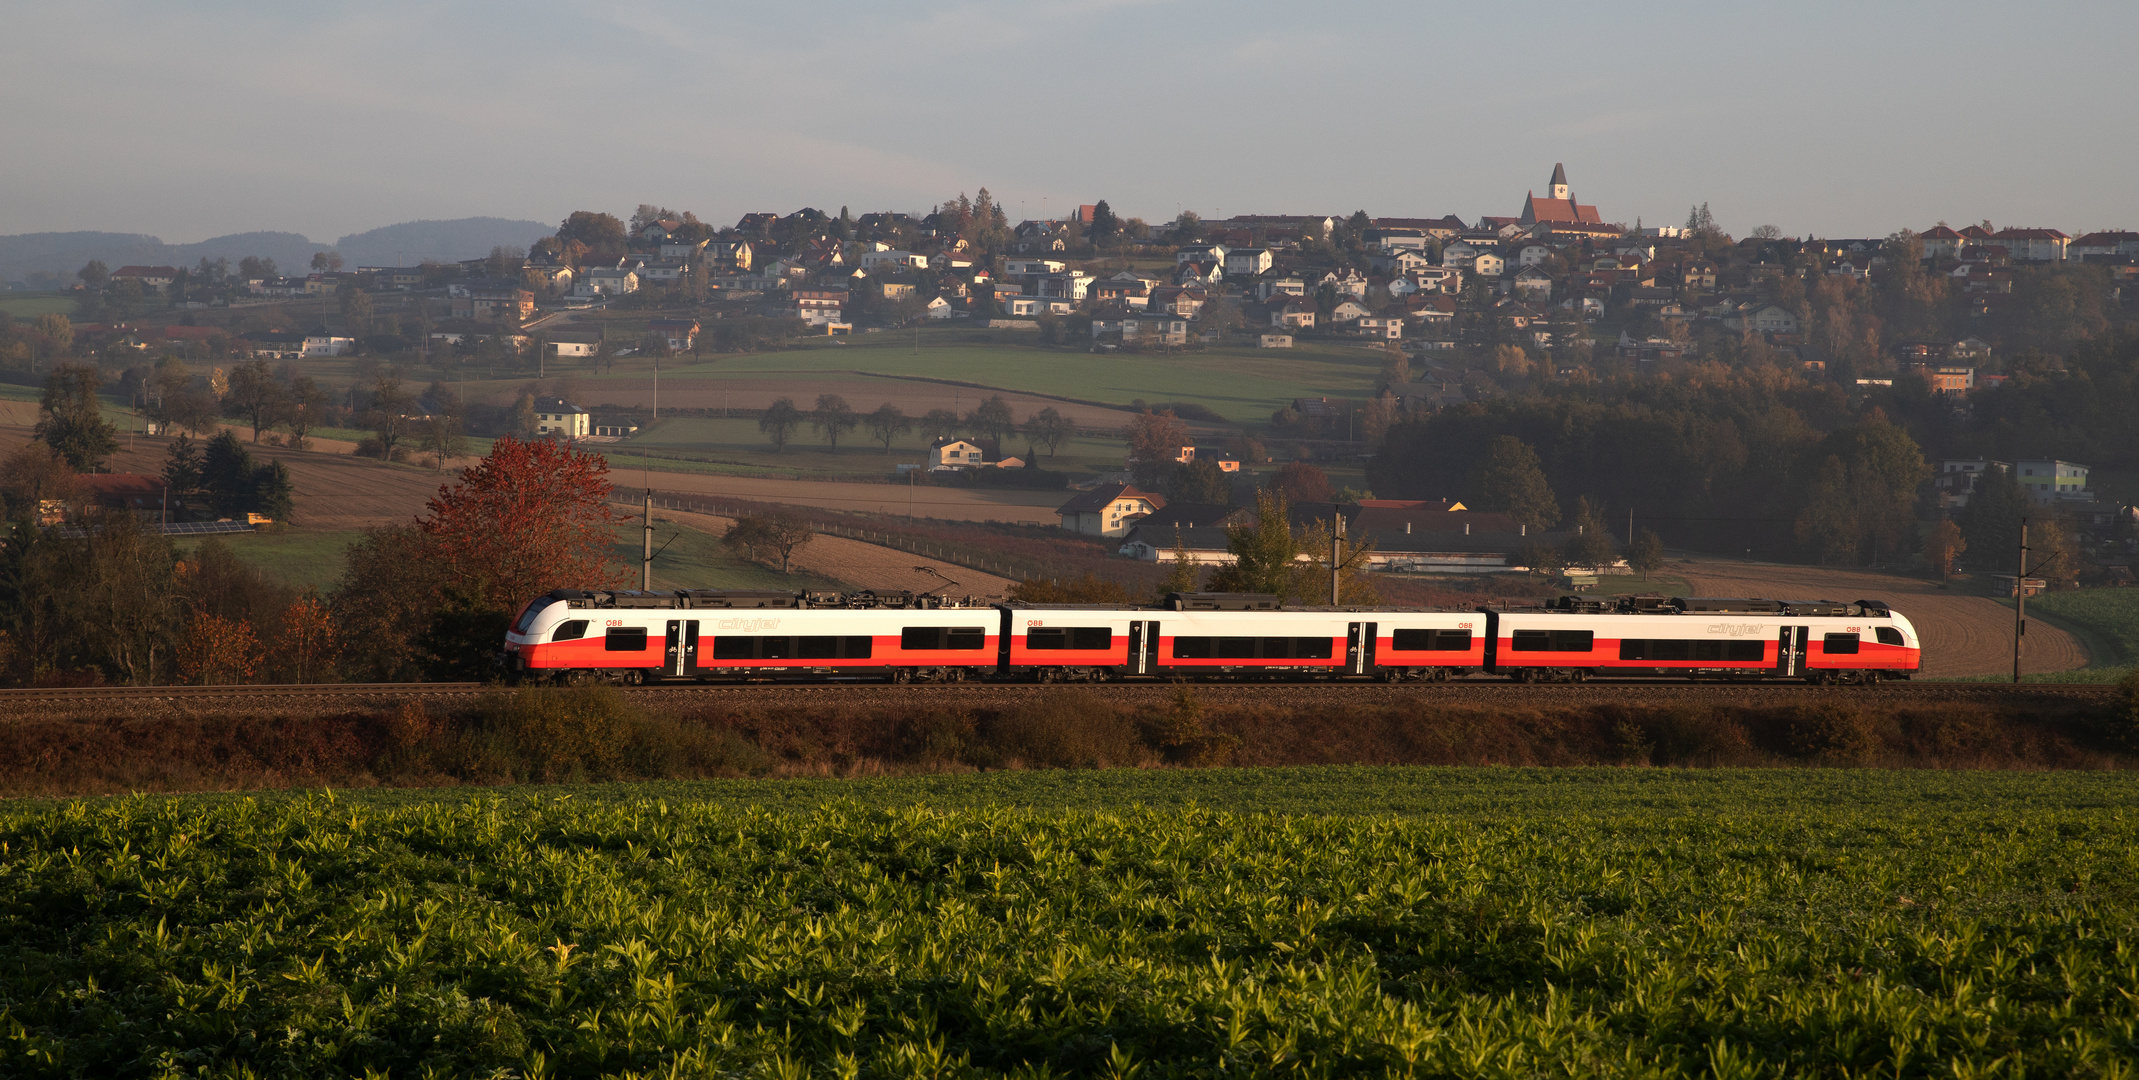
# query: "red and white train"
[[718, 636]]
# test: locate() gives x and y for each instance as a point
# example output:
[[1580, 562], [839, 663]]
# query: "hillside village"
[[1470, 314]]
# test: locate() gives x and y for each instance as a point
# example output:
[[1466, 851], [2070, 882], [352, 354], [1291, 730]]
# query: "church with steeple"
[[1561, 208]]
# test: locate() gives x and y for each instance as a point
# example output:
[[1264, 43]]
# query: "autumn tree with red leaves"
[[531, 517], [218, 651], [308, 642]]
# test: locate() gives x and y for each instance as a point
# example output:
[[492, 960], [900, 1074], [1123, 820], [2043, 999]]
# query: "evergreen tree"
[[1510, 479], [71, 420]]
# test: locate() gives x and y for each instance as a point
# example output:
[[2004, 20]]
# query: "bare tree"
[[832, 418], [887, 423], [773, 536]]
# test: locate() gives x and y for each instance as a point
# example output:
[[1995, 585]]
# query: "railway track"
[[1458, 690]]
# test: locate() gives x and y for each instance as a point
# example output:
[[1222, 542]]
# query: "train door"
[[1790, 653], [681, 656], [1143, 646], [1359, 647]]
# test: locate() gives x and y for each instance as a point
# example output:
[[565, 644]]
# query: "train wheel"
[[1045, 675], [902, 676], [1392, 675]]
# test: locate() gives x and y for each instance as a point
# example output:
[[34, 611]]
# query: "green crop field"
[[738, 442], [1241, 384], [1506, 923], [31, 305], [2111, 615]]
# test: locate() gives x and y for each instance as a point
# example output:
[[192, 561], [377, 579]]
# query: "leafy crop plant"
[[551, 937]]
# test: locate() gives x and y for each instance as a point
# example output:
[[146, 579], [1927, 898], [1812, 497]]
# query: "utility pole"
[[1336, 554], [657, 389], [646, 547], [2020, 599]]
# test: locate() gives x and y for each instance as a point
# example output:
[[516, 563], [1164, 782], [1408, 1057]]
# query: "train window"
[[527, 618], [1707, 652], [857, 648], [776, 648], [1311, 648], [1888, 635], [817, 648], [1277, 648], [1192, 648], [625, 639], [571, 631], [965, 637], [735, 648], [1069, 637], [921, 637], [1553, 641], [1437, 640], [1236, 648], [1839, 645]]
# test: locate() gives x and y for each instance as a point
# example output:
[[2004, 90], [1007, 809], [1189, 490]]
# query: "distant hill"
[[395, 245], [411, 242]]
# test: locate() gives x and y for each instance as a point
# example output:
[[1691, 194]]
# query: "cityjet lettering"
[[1739, 629], [747, 625]]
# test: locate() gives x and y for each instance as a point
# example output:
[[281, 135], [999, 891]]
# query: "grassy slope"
[[301, 558], [696, 560]]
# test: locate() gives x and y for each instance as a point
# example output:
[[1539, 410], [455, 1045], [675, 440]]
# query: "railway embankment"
[[113, 741]]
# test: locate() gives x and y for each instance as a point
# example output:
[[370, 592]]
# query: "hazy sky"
[[189, 120]]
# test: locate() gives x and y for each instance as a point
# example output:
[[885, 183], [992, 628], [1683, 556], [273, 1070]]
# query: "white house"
[[606, 281], [1489, 264], [556, 417], [1247, 262], [328, 345], [1200, 253], [946, 454], [1108, 510], [872, 260]]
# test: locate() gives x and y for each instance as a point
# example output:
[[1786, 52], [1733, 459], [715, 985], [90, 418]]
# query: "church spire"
[[1559, 181]]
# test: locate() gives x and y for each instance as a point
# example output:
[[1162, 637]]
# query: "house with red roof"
[[2035, 245]]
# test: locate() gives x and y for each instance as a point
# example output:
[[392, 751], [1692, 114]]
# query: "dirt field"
[[1963, 635], [866, 566]]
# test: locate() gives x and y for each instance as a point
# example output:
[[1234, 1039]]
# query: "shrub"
[[1831, 733], [1065, 729], [556, 732], [2124, 719]]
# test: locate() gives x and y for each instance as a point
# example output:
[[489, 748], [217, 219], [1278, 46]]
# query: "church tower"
[[1559, 181]]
